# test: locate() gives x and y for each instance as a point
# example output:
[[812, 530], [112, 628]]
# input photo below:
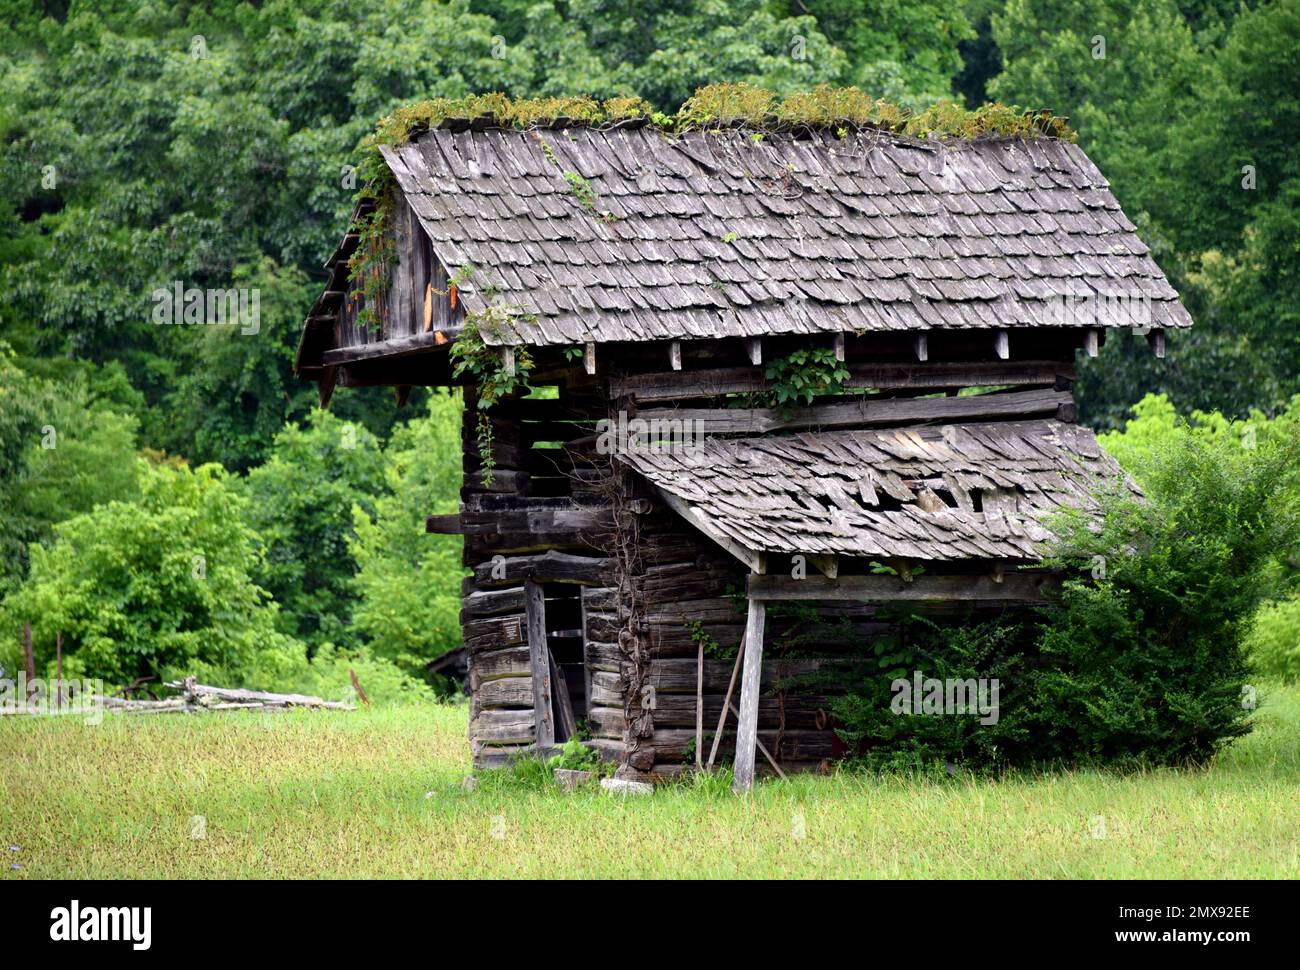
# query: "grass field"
[[378, 794]]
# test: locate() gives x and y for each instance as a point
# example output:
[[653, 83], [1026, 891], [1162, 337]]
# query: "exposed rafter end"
[[675, 354], [403, 392], [1091, 341], [1156, 338], [589, 357], [921, 344], [754, 348], [839, 347], [1002, 345], [998, 572], [508, 360]]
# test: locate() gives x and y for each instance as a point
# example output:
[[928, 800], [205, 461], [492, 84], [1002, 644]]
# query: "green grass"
[[378, 794]]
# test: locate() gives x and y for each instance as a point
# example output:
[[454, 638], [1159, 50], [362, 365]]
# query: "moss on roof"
[[728, 105]]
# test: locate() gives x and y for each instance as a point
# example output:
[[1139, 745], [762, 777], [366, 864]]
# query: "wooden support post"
[[58, 671], [403, 393], [589, 358], [999, 572], [699, 706], [754, 347], [904, 567], [726, 703], [1002, 345], [747, 716], [675, 354], [508, 360], [1156, 338], [921, 344], [1091, 341], [539, 662], [839, 347]]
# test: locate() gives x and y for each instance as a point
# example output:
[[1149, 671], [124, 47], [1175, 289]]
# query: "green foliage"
[[574, 756], [407, 583], [62, 450], [163, 581], [880, 738], [802, 376], [471, 354], [1274, 641], [301, 503], [1148, 658]]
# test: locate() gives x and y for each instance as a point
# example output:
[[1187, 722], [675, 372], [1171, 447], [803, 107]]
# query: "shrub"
[[160, 582], [1142, 655]]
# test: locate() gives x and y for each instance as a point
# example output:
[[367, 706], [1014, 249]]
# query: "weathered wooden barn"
[[696, 558]]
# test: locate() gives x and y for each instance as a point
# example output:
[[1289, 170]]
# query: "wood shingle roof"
[[964, 491], [630, 234]]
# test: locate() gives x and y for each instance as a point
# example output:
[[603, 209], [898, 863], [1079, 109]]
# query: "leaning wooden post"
[[58, 671], [747, 720], [539, 662], [726, 703]]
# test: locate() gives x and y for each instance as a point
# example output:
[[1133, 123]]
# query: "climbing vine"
[[493, 382], [801, 376]]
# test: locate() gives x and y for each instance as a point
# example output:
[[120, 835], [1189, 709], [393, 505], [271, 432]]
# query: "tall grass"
[[378, 794]]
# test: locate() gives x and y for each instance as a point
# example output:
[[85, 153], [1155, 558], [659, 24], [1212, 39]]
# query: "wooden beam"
[[1019, 587], [403, 393], [921, 344], [711, 382], [539, 663], [675, 354], [1091, 341], [871, 412], [1002, 345], [839, 347], [750, 557], [508, 360], [547, 567], [904, 568], [998, 573], [444, 525], [1156, 340], [589, 358], [397, 347], [754, 348], [747, 716]]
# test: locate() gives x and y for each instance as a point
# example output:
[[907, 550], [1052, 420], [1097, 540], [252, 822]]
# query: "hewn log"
[[547, 567], [672, 386], [502, 726], [870, 412], [506, 692]]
